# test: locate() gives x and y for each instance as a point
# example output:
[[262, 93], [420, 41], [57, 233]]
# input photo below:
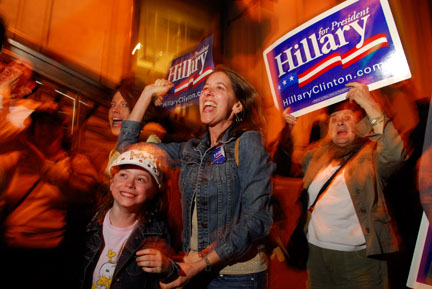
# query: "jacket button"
[[367, 229], [363, 210], [204, 203], [204, 224], [204, 179]]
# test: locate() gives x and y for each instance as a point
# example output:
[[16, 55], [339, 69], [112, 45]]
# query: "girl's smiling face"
[[131, 187], [118, 112]]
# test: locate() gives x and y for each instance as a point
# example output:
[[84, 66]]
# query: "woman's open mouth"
[[116, 122]]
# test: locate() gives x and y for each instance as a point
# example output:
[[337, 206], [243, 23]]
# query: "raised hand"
[[152, 92], [360, 94], [289, 118], [158, 89]]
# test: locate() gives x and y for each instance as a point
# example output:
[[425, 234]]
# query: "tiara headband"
[[142, 159]]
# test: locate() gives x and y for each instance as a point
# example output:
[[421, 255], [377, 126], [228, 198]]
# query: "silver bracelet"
[[376, 120]]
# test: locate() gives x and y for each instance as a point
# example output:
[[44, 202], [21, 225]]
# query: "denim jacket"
[[232, 202], [127, 273]]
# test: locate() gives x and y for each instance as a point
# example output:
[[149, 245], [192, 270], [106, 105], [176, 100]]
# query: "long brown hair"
[[129, 91]]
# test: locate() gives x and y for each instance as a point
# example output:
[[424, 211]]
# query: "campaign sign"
[[357, 40], [420, 274], [188, 74]]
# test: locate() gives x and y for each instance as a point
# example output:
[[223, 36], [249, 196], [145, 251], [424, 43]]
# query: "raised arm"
[[152, 92], [284, 148], [391, 151], [131, 128], [361, 95]]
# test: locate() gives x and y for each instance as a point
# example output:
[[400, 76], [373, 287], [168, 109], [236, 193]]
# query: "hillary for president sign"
[[188, 74], [357, 40]]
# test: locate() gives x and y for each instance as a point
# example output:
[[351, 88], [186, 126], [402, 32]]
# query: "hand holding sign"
[[158, 89], [152, 92], [360, 94], [289, 118]]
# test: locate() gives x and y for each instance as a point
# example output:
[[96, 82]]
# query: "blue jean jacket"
[[232, 202], [127, 273]]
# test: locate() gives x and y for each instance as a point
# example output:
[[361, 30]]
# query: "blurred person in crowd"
[[284, 147], [127, 238], [345, 175], [41, 181], [15, 84], [122, 102], [224, 184], [408, 110]]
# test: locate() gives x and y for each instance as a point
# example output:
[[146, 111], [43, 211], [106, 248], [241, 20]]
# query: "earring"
[[238, 119]]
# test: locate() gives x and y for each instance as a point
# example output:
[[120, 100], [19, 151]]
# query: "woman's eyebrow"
[[222, 83]]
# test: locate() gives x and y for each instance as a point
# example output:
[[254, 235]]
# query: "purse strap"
[[236, 151], [16, 205], [327, 183]]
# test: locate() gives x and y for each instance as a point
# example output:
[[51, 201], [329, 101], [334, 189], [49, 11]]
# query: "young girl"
[[126, 237]]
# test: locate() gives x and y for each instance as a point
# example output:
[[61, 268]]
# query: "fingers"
[[152, 261], [288, 117], [359, 93], [353, 84], [287, 110], [160, 88], [163, 82], [158, 101], [175, 284]]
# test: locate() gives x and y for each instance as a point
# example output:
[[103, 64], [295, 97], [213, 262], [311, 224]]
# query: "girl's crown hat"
[[139, 158]]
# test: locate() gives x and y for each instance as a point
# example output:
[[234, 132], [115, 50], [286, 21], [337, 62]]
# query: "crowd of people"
[[55, 216]]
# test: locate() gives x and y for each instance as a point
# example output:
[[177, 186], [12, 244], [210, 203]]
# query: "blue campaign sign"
[[357, 40], [188, 74]]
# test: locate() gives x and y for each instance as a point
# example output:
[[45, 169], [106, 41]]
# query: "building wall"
[[90, 36]]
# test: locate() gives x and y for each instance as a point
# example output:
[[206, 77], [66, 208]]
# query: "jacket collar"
[[204, 143]]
